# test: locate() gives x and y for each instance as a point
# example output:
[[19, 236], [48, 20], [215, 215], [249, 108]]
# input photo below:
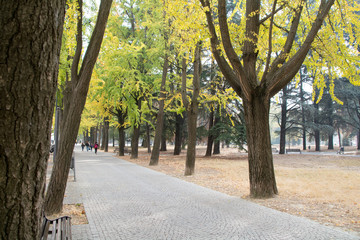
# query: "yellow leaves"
[[70, 25]]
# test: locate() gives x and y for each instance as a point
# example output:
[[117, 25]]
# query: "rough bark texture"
[[261, 168], [283, 121], [30, 43], [154, 160], [74, 100]]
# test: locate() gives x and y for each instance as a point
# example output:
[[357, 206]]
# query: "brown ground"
[[323, 188]]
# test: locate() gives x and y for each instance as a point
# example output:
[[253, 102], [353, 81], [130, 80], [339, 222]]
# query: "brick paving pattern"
[[126, 201]]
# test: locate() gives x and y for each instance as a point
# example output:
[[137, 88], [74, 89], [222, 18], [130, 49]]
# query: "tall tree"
[[257, 87], [192, 109], [30, 43], [154, 159], [73, 105]]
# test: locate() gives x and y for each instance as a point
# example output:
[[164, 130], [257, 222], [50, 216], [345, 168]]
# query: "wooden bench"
[[59, 228], [293, 150]]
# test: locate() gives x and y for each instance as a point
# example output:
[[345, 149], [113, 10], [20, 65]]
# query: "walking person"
[[82, 146], [87, 146], [96, 147]]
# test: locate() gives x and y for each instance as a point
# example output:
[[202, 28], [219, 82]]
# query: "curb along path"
[[126, 201]]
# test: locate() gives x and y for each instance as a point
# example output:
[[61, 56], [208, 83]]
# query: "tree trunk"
[[106, 134], [210, 135], [303, 120], [30, 42], [191, 149], [217, 142], [316, 131], [121, 120], [154, 160], [135, 142], [283, 121], [261, 168], [163, 140], [148, 137], [179, 125], [358, 140], [74, 100], [192, 110], [135, 137]]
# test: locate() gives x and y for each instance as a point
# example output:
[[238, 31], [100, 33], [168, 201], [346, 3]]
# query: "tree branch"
[[284, 75], [221, 61]]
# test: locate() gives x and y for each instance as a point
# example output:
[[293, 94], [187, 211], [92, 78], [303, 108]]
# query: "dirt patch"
[[75, 211], [324, 188]]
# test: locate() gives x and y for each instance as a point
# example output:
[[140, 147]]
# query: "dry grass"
[[323, 188], [75, 211]]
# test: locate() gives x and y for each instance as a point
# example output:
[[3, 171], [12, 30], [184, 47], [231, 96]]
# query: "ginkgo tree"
[[259, 47]]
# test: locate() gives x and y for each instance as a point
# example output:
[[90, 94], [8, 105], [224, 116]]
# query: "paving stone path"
[[126, 201]]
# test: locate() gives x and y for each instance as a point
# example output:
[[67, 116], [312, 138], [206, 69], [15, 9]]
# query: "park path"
[[126, 201]]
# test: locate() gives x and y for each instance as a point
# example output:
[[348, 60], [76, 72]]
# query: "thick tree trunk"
[[261, 167], [210, 135], [30, 43], [74, 100], [283, 121], [154, 160], [191, 149], [179, 125]]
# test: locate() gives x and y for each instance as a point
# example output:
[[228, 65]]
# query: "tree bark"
[[106, 134], [302, 100], [30, 42], [135, 136], [192, 110], [283, 121], [217, 142], [74, 100], [316, 130], [121, 120], [179, 125], [154, 160], [210, 135], [261, 168]]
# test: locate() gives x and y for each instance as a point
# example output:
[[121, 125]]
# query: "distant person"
[[82, 146], [87, 146], [96, 147], [91, 146]]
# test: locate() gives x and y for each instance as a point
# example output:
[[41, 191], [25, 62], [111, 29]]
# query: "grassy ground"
[[323, 188]]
